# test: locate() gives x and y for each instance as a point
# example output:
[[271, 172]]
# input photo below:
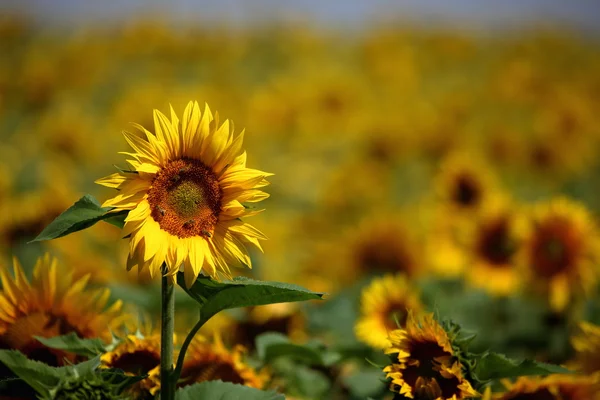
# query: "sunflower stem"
[[167, 320], [185, 345]]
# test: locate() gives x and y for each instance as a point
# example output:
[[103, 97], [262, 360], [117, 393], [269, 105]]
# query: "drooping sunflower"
[[561, 251], [185, 192], [137, 355], [384, 303], [210, 360], [552, 387], [586, 344], [53, 304], [492, 248], [424, 365]]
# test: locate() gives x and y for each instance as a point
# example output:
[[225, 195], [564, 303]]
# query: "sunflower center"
[[495, 245], [185, 198], [384, 252], [555, 248], [467, 191], [139, 362], [212, 371]]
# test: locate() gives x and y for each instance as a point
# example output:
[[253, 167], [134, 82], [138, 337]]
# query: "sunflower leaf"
[[497, 366], [81, 215], [37, 375], [224, 391], [74, 344], [214, 296]]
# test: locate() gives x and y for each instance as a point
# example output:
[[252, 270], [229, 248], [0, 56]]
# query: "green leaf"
[[36, 374], [498, 366], [74, 344], [214, 296], [81, 215], [366, 382], [272, 345], [219, 390]]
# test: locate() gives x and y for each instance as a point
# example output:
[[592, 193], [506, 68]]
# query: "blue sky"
[[584, 14]]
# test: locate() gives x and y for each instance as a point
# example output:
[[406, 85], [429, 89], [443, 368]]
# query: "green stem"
[[185, 345], [167, 319]]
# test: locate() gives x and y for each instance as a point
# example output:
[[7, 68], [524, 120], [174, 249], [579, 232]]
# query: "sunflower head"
[[209, 361], [464, 183], [137, 355], [424, 364], [384, 304], [552, 387], [185, 192], [587, 348], [493, 247], [52, 304], [560, 251]]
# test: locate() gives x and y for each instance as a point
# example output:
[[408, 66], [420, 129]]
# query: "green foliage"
[[496, 366], [224, 391], [81, 215], [74, 344], [302, 380], [79, 381], [272, 345], [366, 382], [214, 296]]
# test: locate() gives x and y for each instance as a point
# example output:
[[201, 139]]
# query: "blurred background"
[[397, 132]]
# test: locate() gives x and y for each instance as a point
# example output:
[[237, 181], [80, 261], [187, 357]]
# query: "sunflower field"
[[396, 212]]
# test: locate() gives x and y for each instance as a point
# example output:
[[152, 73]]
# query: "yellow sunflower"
[[185, 192], [210, 361], [561, 251], [386, 301], [552, 387], [587, 348], [493, 247], [53, 304], [464, 183], [137, 355], [426, 367]]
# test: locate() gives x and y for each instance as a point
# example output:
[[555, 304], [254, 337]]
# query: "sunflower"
[[587, 348], [185, 192], [552, 387], [464, 184], [493, 248], [137, 355], [53, 304], [384, 303], [424, 365], [560, 251], [210, 361]]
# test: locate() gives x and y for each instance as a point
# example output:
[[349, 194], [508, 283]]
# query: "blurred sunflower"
[[384, 304], [561, 251], [464, 183], [53, 304], [587, 348], [493, 247], [381, 246], [423, 363], [137, 355], [552, 387], [211, 361], [185, 196]]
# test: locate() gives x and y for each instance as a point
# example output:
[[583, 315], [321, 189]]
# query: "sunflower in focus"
[[552, 387], [464, 184], [137, 355], [587, 348], [384, 304], [493, 247], [211, 361], [423, 365], [185, 192], [561, 251], [53, 304]]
